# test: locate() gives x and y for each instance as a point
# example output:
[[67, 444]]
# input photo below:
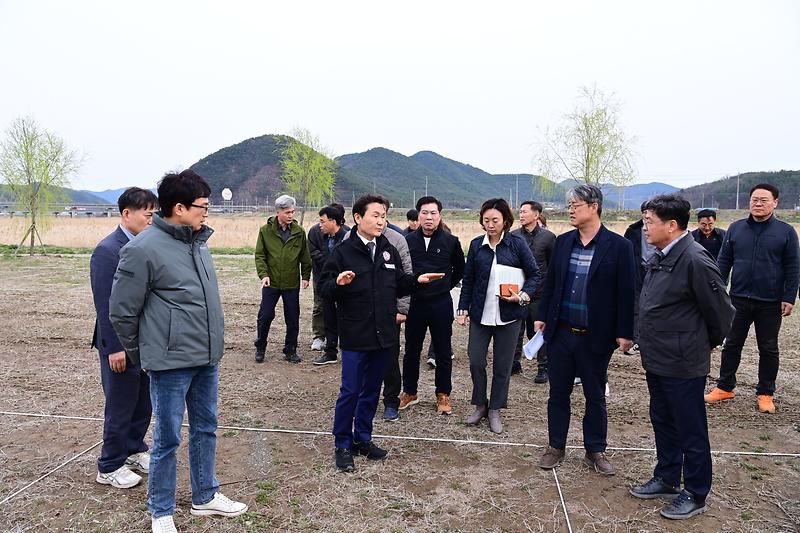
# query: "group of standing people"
[[589, 291]]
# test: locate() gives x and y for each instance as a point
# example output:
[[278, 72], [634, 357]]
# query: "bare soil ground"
[[46, 366]]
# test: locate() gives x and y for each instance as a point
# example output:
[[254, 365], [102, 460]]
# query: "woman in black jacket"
[[492, 316]]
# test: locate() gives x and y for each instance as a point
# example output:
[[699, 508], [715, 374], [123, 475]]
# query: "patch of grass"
[[750, 467], [242, 250], [764, 437], [266, 488], [9, 249], [230, 433], [746, 515], [253, 521]]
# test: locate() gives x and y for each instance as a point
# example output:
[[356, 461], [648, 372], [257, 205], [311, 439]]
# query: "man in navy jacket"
[[585, 313], [125, 385], [763, 253]]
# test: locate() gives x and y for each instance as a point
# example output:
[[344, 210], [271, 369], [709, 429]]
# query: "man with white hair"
[[282, 260]]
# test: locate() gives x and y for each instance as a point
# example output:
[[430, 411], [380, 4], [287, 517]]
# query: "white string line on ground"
[[561, 496], [62, 465], [404, 437]]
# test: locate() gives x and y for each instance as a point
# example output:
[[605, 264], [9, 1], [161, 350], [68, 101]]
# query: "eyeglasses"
[[572, 207], [205, 207], [760, 201]]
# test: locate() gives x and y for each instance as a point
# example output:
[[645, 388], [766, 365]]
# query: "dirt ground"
[[46, 366]]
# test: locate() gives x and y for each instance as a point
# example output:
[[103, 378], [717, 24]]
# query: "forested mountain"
[[721, 194], [71, 196]]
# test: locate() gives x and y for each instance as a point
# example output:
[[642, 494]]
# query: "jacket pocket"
[[175, 329]]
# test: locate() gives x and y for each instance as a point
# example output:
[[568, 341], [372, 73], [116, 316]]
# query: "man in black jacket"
[[364, 276], [328, 233], [432, 250], [706, 234], [763, 253], [684, 313]]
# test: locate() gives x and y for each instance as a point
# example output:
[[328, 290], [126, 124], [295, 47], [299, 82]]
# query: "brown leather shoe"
[[765, 403], [718, 395], [443, 405], [552, 458], [600, 462], [407, 400]]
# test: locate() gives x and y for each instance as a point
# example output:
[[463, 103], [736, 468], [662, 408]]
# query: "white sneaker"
[[608, 391], [431, 362], [577, 381], [164, 524], [121, 478], [219, 505], [317, 344], [139, 461]]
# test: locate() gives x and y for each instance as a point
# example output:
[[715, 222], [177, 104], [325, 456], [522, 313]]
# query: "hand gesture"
[[427, 278], [345, 277]]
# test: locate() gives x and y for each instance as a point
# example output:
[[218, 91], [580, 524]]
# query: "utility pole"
[[426, 185], [517, 179], [738, 177]]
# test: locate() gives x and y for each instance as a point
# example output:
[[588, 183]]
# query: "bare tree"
[[36, 165], [308, 169], [590, 145]]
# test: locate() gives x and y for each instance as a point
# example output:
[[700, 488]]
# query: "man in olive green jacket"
[[282, 259]]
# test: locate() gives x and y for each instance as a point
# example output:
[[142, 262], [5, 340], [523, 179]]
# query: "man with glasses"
[[283, 263], [166, 310], [706, 234], [585, 313], [762, 251]]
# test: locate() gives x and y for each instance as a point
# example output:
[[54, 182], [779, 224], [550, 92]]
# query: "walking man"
[[166, 310], [541, 241], [585, 313], [685, 312], [282, 259], [432, 250], [125, 385], [762, 251]]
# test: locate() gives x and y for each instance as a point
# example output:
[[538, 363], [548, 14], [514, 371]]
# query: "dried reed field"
[[476, 481]]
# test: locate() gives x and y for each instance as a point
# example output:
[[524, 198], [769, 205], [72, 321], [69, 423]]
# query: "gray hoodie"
[[165, 304]]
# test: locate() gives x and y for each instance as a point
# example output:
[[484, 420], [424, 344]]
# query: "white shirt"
[[671, 245], [126, 232], [491, 305]]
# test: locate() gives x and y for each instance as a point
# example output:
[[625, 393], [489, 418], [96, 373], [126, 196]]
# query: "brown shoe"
[[407, 400], [600, 463], [443, 405], [765, 403], [718, 395], [552, 458]]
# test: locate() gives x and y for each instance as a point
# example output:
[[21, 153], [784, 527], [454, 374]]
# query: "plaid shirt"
[[574, 305]]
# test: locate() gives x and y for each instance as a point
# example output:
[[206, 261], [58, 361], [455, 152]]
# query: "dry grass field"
[[490, 483]]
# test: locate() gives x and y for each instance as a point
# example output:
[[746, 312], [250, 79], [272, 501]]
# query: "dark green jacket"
[[165, 304], [282, 261]]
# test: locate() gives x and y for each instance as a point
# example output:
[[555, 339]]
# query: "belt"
[[575, 331]]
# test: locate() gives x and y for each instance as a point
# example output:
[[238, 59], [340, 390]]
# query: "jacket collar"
[[273, 223], [669, 260], [752, 221], [182, 233]]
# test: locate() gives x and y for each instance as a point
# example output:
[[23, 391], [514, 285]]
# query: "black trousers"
[[527, 328], [127, 414], [571, 356], [437, 315], [678, 415], [767, 319], [291, 315], [391, 380], [331, 325]]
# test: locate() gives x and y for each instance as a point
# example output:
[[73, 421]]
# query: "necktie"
[[371, 248], [330, 244]]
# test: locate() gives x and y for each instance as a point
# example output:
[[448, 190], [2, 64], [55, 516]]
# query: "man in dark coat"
[[706, 234], [125, 385], [684, 313], [585, 313], [364, 276]]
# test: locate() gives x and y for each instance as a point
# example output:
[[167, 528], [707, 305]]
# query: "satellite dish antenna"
[[227, 194]]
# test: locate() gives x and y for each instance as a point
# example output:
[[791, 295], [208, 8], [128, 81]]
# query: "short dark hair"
[[502, 206], [428, 200], [671, 207], [412, 214], [767, 187], [707, 213], [535, 206], [137, 198], [360, 205], [644, 206], [182, 188], [333, 212]]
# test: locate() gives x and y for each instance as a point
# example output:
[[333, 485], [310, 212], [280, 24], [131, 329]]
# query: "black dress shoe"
[[370, 450], [541, 377], [655, 488], [684, 506], [344, 460], [292, 357], [259, 356], [516, 368]]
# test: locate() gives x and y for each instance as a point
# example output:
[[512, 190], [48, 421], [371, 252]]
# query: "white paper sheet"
[[532, 347], [506, 274]]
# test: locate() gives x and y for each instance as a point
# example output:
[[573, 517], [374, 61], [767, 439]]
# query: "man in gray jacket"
[[684, 312], [166, 310]]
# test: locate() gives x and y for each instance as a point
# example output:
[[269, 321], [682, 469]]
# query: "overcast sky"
[[708, 88]]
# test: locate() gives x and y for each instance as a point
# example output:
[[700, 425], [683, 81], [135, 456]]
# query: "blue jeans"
[[171, 392]]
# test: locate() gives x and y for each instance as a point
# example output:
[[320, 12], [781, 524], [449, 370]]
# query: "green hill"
[[71, 196], [721, 194]]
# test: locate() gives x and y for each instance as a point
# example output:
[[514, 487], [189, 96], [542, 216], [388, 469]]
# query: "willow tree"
[[36, 166], [308, 169], [590, 145]]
